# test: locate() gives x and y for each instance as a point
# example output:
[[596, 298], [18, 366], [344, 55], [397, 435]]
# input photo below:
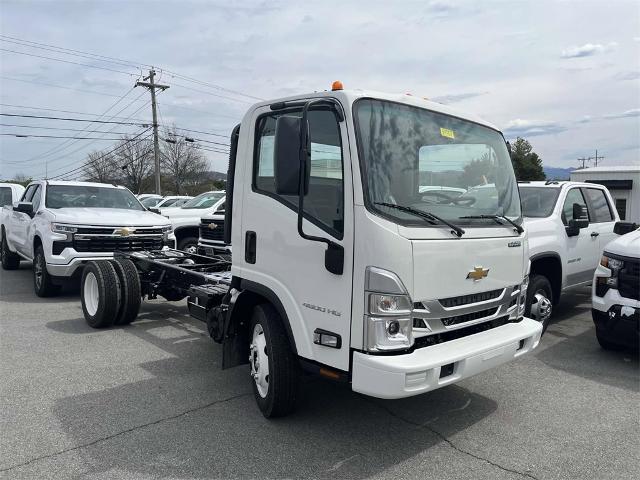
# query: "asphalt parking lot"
[[149, 401]]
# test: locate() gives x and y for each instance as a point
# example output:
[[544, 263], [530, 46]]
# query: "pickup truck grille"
[[110, 239], [629, 279], [473, 298], [212, 233]]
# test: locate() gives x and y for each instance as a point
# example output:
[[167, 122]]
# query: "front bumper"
[[398, 376]]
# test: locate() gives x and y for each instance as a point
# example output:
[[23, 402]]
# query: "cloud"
[[531, 128], [447, 99], [635, 112], [587, 50], [627, 76]]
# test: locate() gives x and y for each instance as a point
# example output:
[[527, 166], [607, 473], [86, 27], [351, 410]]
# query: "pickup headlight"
[[388, 324], [613, 264], [62, 228]]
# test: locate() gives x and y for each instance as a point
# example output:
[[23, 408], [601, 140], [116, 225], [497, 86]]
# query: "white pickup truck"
[[569, 223], [62, 225], [10, 193], [211, 239], [186, 218]]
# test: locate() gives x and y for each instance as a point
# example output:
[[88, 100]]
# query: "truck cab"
[[400, 292], [569, 223]]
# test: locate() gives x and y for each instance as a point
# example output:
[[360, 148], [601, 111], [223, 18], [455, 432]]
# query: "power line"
[[211, 85], [209, 93], [198, 131], [40, 127], [68, 61], [104, 94], [23, 135], [62, 111], [75, 51], [67, 119]]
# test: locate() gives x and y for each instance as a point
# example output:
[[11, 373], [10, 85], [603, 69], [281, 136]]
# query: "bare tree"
[[135, 159], [22, 179], [182, 163], [100, 167]]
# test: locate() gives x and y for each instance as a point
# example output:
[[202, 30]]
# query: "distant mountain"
[[555, 173]]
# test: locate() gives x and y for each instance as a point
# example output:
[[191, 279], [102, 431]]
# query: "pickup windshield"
[[204, 200], [434, 163], [538, 202], [84, 196]]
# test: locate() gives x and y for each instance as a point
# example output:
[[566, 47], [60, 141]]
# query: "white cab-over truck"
[[341, 265], [186, 218], [62, 225], [568, 223]]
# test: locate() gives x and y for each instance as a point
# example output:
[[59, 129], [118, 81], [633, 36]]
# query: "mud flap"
[[235, 344]]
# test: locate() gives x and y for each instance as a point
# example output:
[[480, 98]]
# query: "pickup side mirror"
[[580, 220], [621, 228], [24, 207], [287, 157]]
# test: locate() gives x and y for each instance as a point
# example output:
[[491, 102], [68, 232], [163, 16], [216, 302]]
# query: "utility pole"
[[583, 160], [151, 85], [597, 157]]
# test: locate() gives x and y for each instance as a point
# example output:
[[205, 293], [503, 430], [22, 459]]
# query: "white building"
[[623, 183]]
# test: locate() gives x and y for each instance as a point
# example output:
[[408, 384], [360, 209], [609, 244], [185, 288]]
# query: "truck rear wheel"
[[273, 366], [130, 297], [100, 294], [10, 260], [540, 300], [188, 245], [42, 280]]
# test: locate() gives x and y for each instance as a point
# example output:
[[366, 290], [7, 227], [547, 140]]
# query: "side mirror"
[[24, 207], [580, 218], [287, 157], [509, 150], [622, 228]]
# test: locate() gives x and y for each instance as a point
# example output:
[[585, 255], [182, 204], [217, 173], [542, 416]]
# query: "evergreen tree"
[[526, 163]]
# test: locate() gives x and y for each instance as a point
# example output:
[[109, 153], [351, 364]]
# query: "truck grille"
[[110, 239], [210, 233], [629, 279], [472, 298], [468, 317], [111, 230]]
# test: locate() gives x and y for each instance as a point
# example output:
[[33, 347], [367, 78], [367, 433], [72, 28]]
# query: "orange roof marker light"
[[337, 85]]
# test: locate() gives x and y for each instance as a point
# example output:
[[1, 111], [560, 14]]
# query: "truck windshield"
[[433, 162], [538, 202], [84, 196], [204, 200]]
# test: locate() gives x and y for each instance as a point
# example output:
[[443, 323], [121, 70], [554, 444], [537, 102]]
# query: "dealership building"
[[623, 183]]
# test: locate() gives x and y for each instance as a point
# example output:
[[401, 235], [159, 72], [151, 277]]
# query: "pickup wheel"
[[10, 260], [188, 245], [100, 294], [42, 280], [130, 296], [273, 366], [539, 304]]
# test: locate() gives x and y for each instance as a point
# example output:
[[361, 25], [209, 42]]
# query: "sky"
[[563, 74]]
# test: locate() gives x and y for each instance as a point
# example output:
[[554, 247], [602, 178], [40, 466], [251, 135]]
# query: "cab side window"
[[324, 204], [28, 193], [600, 210], [574, 196], [36, 199]]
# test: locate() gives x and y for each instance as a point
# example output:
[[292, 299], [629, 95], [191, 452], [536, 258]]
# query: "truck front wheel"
[[42, 280], [273, 366], [100, 294], [539, 300], [188, 245]]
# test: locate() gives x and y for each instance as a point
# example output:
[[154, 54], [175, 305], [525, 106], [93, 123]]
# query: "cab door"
[[17, 234], [581, 249], [272, 253]]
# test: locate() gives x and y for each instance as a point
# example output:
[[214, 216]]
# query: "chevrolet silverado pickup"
[[59, 226]]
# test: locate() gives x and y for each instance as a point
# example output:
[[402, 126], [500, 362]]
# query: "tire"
[[605, 343], [100, 294], [540, 300], [188, 244], [10, 260], [130, 296], [42, 280], [275, 389]]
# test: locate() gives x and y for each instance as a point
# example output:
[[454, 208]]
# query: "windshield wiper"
[[426, 215], [497, 218]]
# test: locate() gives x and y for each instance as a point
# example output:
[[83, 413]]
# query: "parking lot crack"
[[451, 444], [123, 432]]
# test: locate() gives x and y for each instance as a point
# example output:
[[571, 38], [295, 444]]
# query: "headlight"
[[522, 301], [388, 324], [613, 264], [62, 228]]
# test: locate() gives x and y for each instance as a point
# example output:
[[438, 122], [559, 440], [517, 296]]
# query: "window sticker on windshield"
[[445, 132]]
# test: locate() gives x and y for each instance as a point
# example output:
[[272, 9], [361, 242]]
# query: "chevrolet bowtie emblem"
[[212, 226], [124, 232], [478, 273]]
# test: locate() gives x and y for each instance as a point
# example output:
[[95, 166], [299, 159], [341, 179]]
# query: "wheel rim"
[[541, 306], [38, 271], [192, 249], [91, 296], [259, 361]]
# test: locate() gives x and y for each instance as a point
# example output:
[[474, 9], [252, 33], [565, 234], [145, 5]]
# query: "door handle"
[[594, 234]]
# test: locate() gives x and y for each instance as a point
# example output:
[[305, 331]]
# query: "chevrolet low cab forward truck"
[[342, 264]]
